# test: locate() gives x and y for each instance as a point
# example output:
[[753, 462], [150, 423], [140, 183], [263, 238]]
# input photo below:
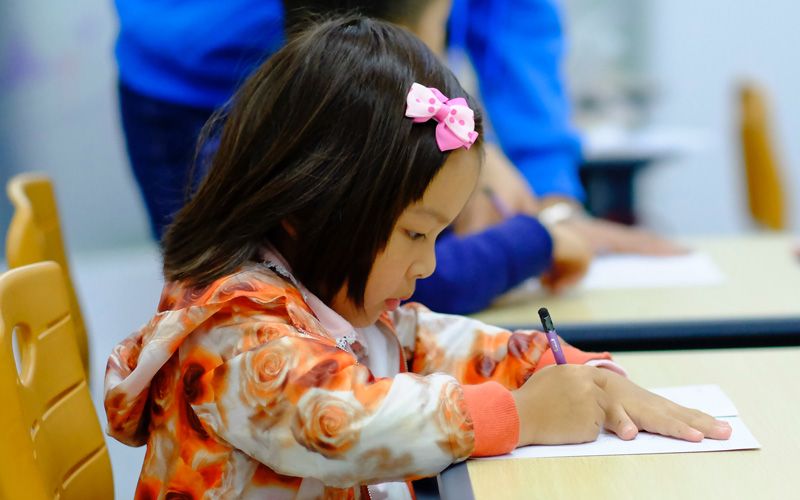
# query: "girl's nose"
[[424, 266]]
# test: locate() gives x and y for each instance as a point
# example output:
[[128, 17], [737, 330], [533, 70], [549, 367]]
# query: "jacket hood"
[[134, 363]]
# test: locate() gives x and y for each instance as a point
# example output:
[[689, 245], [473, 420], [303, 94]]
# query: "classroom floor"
[[119, 292]]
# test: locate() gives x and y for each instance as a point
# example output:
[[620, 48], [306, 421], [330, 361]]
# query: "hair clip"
[[456, 126]]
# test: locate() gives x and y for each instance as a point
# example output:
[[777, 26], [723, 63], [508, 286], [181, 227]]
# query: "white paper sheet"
[[627, 271], [617, 271], [707, 398]]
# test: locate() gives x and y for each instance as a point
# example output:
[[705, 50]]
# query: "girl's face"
[[409, 254]]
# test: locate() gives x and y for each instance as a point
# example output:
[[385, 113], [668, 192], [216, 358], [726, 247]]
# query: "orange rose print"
[[263, 375], [385, 461], [240, 380], [454, 422], [326, 423], [162, 389]]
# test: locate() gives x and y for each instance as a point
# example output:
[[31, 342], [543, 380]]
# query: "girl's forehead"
[[450, 189], [420, 209]]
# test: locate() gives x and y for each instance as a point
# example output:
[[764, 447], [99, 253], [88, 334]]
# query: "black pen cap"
[[547, 323]]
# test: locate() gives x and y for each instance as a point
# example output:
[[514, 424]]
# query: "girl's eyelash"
[[415, 236]]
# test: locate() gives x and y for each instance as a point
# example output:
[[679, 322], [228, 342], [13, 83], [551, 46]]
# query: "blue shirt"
[[516, 47], [196, 52]]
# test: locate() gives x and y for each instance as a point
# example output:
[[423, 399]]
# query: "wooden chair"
[[762, 170], [52, 445], [34, 235]]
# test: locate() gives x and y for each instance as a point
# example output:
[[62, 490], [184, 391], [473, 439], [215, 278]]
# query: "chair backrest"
[[764, 191], [34, 235], [53, 445]]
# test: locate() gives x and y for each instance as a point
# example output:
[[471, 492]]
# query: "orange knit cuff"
[[494, 418]]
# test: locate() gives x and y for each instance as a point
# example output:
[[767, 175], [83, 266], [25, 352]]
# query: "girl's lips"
[[392, 304]]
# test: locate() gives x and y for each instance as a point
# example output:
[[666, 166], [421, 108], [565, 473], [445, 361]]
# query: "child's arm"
[[306, 408], [560, 404], [475, 352]]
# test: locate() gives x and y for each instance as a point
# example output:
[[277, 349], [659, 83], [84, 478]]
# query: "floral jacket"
[[239, 391]]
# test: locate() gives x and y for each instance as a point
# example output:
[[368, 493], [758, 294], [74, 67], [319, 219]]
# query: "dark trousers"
[[161, 138]]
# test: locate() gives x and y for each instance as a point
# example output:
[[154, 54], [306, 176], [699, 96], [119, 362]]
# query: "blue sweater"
[[196, 52]]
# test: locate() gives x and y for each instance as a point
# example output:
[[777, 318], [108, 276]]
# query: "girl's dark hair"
[[405, 12], [317, 157]]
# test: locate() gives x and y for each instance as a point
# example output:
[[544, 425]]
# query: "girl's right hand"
[[571, 403], [561, 405]]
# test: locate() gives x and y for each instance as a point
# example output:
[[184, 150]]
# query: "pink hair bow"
[[456, 126]]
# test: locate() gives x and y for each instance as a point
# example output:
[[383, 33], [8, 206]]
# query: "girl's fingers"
[[720, 430], [708, 425], [656, 414], [618, 422], [666, 425]]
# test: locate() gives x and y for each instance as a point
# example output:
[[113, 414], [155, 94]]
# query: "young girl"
[[279, 364]]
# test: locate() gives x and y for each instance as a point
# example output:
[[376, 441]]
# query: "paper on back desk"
[[625, 271], [707, 398], [646, 271]]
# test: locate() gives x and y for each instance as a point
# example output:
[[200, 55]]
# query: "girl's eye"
[[415, 236]]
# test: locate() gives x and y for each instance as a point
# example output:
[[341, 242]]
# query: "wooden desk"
[[757, 305], [763, 383]]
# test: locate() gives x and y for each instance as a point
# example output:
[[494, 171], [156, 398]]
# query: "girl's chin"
[[364, 319], [368, 316]]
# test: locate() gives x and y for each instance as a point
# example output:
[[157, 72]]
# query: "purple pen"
[[552, 336]]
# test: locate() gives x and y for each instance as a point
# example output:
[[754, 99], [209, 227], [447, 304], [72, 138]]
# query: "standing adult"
[[177, 65]]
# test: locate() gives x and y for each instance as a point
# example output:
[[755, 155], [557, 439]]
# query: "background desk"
[[614, 156], [762, 383], [758, 305]]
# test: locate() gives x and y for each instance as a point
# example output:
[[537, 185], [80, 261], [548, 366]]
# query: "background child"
[[276, 366]]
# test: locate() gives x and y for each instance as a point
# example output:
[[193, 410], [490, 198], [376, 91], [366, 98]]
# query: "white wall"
[[59, 115], [697, 52]]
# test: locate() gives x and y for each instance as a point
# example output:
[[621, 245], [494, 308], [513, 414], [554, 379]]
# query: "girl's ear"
[[287, 226]]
